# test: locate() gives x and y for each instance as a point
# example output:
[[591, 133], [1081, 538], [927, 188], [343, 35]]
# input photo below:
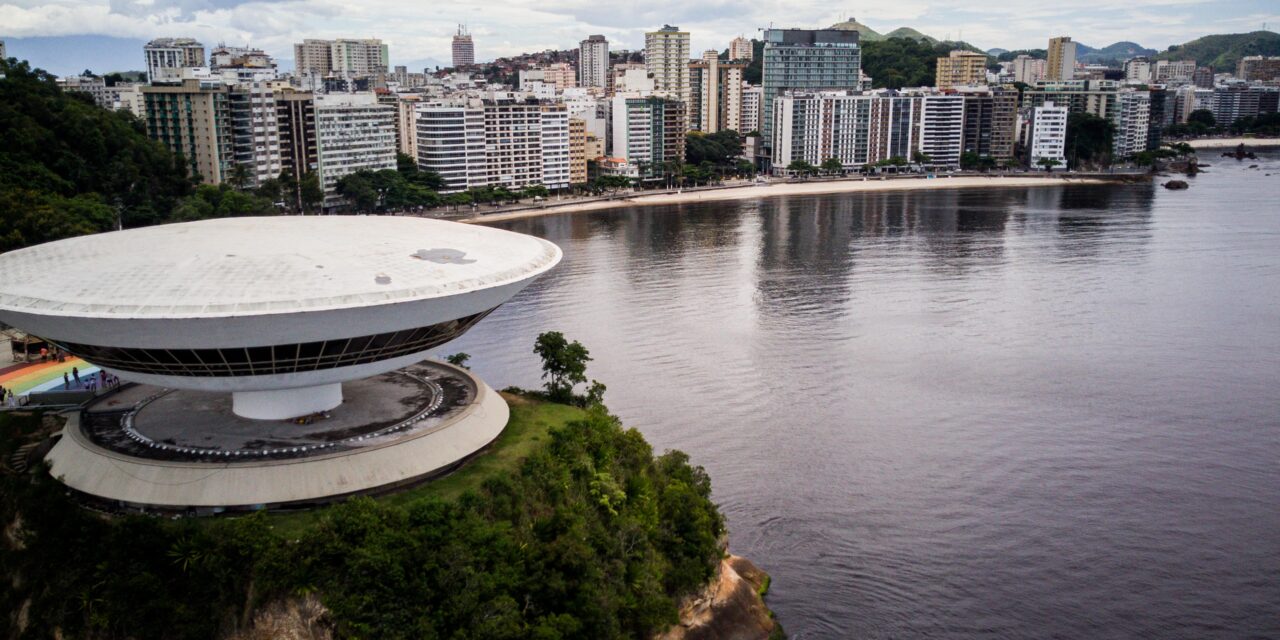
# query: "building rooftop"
[[253, 266]]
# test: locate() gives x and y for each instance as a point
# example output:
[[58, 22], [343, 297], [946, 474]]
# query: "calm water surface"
[[1048, 412]]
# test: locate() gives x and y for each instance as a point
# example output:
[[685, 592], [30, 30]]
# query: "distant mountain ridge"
[[1223, 51], [867, 34], [1118, 51]]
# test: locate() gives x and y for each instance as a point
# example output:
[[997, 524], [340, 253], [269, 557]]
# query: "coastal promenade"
[[1216, 143]]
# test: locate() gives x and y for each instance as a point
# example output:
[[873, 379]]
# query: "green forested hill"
[[1223, 51], [904, 62], [68, 167], [570, 528]]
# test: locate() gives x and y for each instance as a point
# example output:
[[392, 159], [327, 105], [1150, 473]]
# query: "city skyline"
[[54, 35]]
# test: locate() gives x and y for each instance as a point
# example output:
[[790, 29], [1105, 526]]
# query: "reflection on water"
[[1011, 413]]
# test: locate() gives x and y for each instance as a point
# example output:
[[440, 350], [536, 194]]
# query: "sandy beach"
[[1216, 143], [750, 192]]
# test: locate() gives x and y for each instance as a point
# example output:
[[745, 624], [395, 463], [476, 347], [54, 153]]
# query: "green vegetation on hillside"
[[901, 62], [68, 167], [567, 527], [1223, 51]]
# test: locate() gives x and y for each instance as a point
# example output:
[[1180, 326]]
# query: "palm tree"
[[239, 177]]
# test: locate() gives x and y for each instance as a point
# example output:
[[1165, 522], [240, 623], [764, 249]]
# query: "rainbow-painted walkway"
[[43, 376]]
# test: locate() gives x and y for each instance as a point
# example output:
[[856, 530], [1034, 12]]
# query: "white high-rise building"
[[1028, 70], [555, 147], [942, 129], [1046, 128], [714, 101], [353, 57], [859, 128], [451, 142], [1133, 121], [593, 62], [740, 49], [353, 132], [1173, 71], [666, 56], [1137, 70], [167, 57], [507, 142], [752, 99], [255, 130]]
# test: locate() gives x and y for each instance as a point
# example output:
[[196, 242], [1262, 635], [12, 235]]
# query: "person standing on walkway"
[[75, 372], [66, 380]]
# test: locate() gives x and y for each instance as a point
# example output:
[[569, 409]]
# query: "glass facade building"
[[807, 59]]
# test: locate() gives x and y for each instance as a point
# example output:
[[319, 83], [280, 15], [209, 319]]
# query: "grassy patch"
[[531, 420], [764, 586]]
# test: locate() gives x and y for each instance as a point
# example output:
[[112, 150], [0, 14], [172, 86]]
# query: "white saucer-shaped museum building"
[[278, 312]]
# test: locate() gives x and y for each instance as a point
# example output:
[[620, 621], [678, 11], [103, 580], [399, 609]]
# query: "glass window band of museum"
[[277, 359]]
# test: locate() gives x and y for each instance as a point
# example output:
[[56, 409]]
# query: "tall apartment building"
[[1096, 97], [961, 68], [3, 54], [296, 131], [362, 57], [593, 62], [1138, 70], [1174, 71], [1133, 123], [991, 123], [714, 102], [648, 131], [854, 128], [1062, 59], [740, 49], [255, 130], [557, 172], [406, 105], [578, 151], [1258, 68], [942, 129], [167, 57], [353, 133], [752, 96], [464, 50], [451, 142], [1163, 106], [1202, 77], [1046, 133], [193, 119], [1234, 101], [510, 143], [1028, 70], [313, 57], [1107, 99], [807, 59], [666, 56]]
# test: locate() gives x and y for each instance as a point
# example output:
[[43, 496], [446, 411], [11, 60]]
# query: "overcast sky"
[[421, 31]]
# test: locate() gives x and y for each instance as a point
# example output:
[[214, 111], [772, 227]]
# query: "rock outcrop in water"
[[1240, 153], [731, 607], [1176, 185]]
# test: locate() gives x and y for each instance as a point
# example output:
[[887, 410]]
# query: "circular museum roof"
[[251, 266]]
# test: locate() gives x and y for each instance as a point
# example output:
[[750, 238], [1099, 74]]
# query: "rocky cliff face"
[[731, 607]]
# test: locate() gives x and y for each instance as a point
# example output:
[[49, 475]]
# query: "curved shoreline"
[[749, 192]]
